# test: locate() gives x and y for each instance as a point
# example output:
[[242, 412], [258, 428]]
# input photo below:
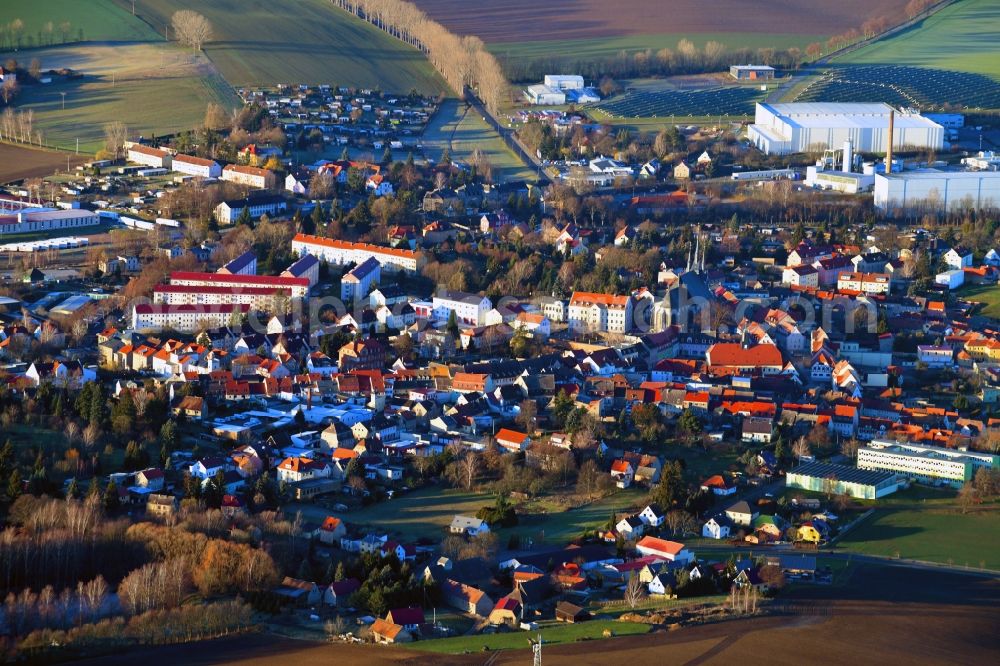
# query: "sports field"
[[300, 41], [462, 132], [151, 87], [988, 295], [97, 20], [962, 37], [933, 535]]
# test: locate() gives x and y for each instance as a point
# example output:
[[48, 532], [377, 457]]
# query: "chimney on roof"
[[888, 152]]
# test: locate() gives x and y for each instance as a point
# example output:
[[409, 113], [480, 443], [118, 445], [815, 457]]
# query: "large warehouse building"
[[937, 190], [781, 129]]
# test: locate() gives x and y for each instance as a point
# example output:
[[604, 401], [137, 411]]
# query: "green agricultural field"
[[462, 132], [551, 635], [95, 20], [300, 41], [961, 37], [988, 295], [584, 49], [151, 87], [933, 535]]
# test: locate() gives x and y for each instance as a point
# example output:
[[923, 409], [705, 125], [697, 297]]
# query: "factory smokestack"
[[888, 152]]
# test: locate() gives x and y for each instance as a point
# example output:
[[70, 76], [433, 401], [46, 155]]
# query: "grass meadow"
[[463, 132], [551, 634]]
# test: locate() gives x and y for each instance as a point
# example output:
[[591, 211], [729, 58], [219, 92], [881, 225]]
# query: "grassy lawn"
[[427, 512], [653, 603], [421, 513], [551, 635], [463, 132], [559, 526], [988, 295], [933, 535], [584, 49], [960, 37], [300, 41], [99, 20], [154, 88]]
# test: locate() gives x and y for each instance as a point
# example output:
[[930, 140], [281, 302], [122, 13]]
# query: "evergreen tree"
[[316, 219], [111, 497], [6, 459], [345, 155], [14, 485], [452, 326], [73, 489], [387, 154]]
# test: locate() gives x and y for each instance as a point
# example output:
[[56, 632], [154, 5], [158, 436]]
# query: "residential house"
[[466, 598], [741, 513]]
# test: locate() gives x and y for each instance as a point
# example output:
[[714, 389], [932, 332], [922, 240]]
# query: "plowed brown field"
[[530, 20]]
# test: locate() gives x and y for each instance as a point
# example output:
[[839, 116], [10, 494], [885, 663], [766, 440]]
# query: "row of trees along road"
[[461, 61]]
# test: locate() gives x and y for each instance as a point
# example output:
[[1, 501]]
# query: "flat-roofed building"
[[937, 190], [923, 462], [751, 72], [780, 129], [833, 479], [31, 220]]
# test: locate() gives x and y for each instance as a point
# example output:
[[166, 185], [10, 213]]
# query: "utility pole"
[[536, 649], [63, 100]]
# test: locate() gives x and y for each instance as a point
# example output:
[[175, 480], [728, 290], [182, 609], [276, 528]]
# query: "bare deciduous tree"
[[191, 28], [635, 591], [115, 135]]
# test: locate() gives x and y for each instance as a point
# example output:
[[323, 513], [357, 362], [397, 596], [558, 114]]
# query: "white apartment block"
[[339, 252], [599, 313], [258, 298], [920, 461], [866, 283], [46, 219], [299, 287], [469, 309], [249, 176], [196, 166], [146, 156], [184, 318]]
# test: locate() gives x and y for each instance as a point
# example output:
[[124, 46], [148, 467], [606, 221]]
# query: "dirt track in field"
[[529, 20]]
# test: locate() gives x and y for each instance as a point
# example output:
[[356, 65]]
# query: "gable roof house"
[[466, 598], [672, 551]]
